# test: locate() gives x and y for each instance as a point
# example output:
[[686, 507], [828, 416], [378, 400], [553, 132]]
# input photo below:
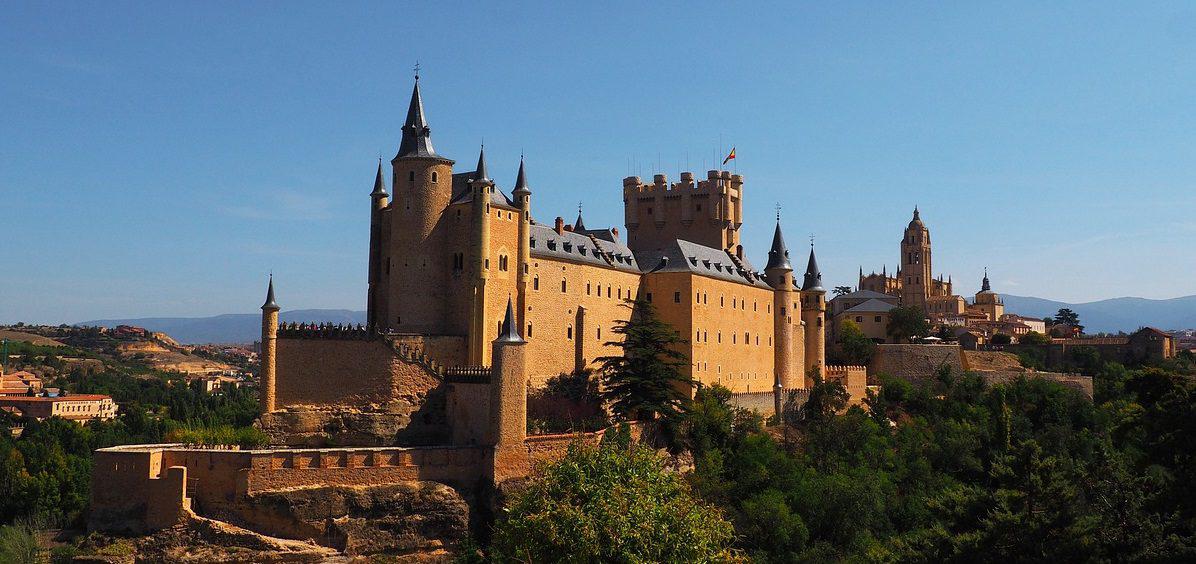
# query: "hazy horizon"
[[165, 158]]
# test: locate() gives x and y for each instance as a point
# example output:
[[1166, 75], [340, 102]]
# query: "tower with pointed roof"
[[523, 200], [508, 400], [813, 313], [379, 199], [916, 277], [406, 300], [987, 301], [789, 350], [482, 188], [269, 350]]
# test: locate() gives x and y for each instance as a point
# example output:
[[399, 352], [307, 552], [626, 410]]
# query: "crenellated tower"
[[813, 313], [421, 188], [707, 212], [915, 273]]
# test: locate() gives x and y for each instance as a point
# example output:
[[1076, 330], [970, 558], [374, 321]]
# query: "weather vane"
[[811, 240], [416, 68], [778, 211]]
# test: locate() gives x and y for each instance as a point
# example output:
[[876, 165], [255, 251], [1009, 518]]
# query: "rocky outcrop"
[[207, 541], [419, 520]]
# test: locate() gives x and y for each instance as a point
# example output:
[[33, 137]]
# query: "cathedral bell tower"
[[915, 273]]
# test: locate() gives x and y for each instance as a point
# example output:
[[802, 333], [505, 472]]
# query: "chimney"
[[560, 225], [615, 230]]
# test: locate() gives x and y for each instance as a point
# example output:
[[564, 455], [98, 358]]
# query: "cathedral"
[[914, 284]]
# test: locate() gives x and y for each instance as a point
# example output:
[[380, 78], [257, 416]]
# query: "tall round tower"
[[379, 200], [266, 380], [779, 274], [412, 263], [813, 313], [915, 273], [523, 199]]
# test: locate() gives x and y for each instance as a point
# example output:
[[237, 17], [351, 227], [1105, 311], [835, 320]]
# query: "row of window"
[[860, 319], [701, 336], [568, 331]]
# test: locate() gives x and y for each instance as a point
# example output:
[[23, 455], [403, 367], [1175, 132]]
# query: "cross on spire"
[[416, 69], [778, 211]]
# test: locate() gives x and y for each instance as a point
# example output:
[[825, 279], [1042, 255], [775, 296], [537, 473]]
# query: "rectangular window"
[[649, 297], [676, 297], [564, 286], [536, 283]]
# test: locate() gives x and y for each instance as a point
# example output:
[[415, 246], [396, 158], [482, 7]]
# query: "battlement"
[[323, 331], [716, 182], [708, 212], [468, 374]]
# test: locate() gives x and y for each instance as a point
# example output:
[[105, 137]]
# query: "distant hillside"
[[1113, 315], [228, 328]]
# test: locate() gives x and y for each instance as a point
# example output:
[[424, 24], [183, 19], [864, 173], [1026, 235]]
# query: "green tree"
[[615, 502], [1034, 338], [841, 290], [1066, 316], [645, 381], [907, 322], [856, 347], [1001, 339]]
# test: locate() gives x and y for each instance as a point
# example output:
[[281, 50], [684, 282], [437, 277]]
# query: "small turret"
[[480, 174], [510, 329], [379, 183], [270, 304], [521, 186], [984, 285], [580, 224], [778, 256], [813, 279]]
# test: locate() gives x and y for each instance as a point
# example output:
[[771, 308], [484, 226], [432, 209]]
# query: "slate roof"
[[462, 193], [580, 247], [685, 256], [865, 294], [871, 306]]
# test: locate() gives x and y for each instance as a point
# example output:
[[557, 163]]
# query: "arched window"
[[433, 176]]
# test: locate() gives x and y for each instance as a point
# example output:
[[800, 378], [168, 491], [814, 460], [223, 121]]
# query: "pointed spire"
[[417, 136], [510, 331], [813, 280], [984, 285], [579, 225], [270, 304], [861, 271], [884, 270], [778, 256], [480, 174], [917, 215], [379, 182], [521, 180]]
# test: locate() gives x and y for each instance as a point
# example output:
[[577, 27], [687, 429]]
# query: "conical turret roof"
[[379, 182], [813, 280], [521, 186], [270, 304], [510, 330], [480, 174], [778, 255], [417, 136]]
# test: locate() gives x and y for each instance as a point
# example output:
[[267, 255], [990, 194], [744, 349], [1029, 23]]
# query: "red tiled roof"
[[75, 397]]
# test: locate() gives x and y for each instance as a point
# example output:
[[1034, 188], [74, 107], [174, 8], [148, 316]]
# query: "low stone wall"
[[764, 403], [916, 363], [854, 380]]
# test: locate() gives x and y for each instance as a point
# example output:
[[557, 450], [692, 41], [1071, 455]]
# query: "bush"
[[610, 503], [222, 435], [566, 403]]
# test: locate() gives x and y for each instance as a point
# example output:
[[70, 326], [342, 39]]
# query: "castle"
[[472, 302], [449, 248]]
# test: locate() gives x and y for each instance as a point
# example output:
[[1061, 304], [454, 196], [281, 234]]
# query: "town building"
[[20, 383], [74, 407]]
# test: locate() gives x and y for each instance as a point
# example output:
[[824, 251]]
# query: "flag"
[[730, 155]]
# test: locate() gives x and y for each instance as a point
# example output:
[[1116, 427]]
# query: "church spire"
[[984, 285], [417, 136], [778, 256], [379, 183], [813, 280], [580, 224], [521, 180]]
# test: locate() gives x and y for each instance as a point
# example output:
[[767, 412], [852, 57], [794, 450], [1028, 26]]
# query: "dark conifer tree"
[[645, 381]]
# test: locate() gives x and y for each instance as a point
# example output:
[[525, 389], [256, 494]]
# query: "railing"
[[468, 375], [323, 331]]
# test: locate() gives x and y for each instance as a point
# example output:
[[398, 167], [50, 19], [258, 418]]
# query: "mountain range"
[[1112, 315], [230, 327]]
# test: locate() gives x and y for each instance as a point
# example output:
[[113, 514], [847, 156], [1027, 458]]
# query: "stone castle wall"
[[353, 373]]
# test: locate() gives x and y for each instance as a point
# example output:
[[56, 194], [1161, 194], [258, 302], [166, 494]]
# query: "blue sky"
[[160, 159]]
